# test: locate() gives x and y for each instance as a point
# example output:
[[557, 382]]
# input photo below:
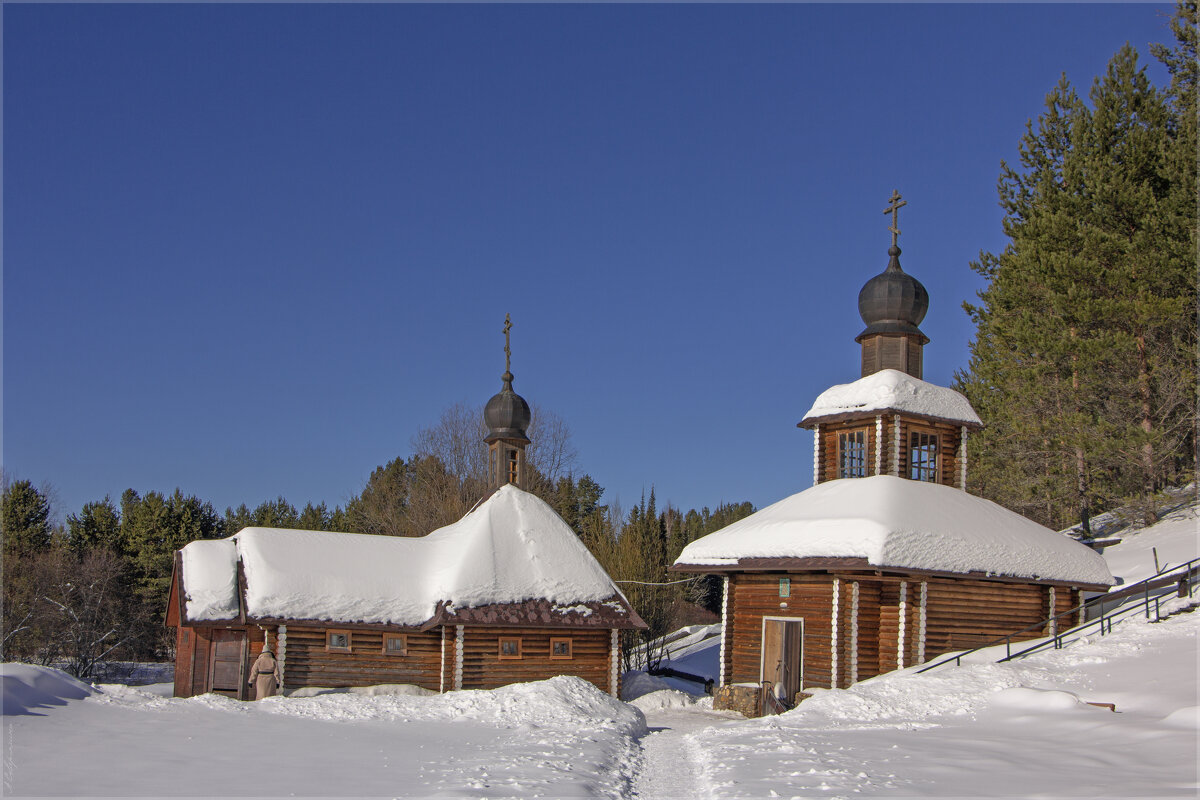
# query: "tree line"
[[95, 589], [1083, 363]]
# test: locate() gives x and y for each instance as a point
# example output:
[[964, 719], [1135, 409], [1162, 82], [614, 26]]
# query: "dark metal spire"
[[507, 349]]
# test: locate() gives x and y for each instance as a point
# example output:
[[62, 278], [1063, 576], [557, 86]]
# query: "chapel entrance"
[[227, 675], [782, 658]]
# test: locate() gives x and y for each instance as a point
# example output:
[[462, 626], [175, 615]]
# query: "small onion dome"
[[507, 414], [893, 301]]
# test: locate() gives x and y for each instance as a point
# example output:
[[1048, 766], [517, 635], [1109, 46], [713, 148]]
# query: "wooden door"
[[227, 673], [783, 656]]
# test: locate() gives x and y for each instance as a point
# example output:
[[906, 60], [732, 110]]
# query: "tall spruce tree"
[[1077, 359]]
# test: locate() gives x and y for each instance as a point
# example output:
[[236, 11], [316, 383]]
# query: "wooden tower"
[[890, 421], [507, 416]]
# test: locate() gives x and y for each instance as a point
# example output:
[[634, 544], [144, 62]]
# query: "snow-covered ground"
[[1021, 729]]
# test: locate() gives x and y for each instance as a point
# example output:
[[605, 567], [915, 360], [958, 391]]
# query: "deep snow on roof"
[[512, 548], [892, 390], [893, 522]]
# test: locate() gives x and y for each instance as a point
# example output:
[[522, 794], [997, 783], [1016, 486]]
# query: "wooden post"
[[833, 639], [724, 629], [900, 625], [281, 654], [458, 656], [962, 458], [442, 674], [614, 644], [854, 632], [895, 467], [879, 444], [921, 623], [816, 455], [1053, 627]]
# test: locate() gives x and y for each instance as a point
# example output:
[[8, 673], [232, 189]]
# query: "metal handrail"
[[1180, 574]]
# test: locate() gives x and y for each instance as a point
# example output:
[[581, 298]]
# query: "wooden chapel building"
[[506, 594], [886, 561]]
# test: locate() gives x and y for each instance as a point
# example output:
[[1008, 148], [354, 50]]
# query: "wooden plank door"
[[783, 656], [227, 675]]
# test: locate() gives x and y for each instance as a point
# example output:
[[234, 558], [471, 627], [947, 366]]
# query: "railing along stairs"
[[1184, 577]]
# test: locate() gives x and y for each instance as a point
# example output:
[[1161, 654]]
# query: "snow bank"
[[892, 522], [28, 687], [664, 699], [510, 549], [562, 702], [1018, 729], [892, 390]]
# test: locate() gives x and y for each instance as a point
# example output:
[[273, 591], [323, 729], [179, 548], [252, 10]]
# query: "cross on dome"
[[895, 203]]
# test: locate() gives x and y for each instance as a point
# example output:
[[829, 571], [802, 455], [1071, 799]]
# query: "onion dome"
[[893, 302], [507, 414]]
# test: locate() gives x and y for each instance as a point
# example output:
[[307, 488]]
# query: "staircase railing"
[[1183, 576]]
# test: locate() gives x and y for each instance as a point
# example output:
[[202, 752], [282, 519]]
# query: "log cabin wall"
[[754, 596], [963, 614], [827, 465], [948, 467], [483, 668], [959, 614], [310, 663], [185, 654]]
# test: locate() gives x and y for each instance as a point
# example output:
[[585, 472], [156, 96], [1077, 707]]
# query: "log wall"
[[948, 441], [483, 668], [309, 664], [960, 614], [754, 596]]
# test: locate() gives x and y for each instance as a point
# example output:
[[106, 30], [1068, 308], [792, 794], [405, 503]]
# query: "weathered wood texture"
[[308, 663], [948, 441], [754, 596], [963, 614], [960, 614], [484, 669]]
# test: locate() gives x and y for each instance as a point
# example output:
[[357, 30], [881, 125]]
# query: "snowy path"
[[670, 765]]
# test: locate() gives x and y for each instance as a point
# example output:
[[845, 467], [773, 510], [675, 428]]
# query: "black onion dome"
[[507, 414], [893, 301]]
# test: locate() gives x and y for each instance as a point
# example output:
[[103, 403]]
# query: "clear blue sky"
[[250, 251]]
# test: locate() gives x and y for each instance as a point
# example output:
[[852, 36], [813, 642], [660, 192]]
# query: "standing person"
[[264, 675]]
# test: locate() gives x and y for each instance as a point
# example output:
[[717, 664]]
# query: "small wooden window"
[[337, 641], [395, 644], [510, 647], [512, 466], [785, 587], [560, 648], [923, 456], [852, 454]]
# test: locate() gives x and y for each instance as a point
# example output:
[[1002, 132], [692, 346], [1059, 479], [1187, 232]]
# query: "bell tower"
[[506, 416], [892, 304]]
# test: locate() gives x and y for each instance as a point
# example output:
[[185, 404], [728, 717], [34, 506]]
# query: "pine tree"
[[25, 517], [1076, 361]]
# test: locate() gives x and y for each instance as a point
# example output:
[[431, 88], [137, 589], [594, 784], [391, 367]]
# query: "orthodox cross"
[[507, 349], [894, 206]]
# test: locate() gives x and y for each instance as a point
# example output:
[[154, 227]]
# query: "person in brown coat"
[[264, 675]]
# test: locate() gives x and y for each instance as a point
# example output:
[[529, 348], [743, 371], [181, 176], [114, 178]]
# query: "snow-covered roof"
[[513, 548], [892, 390], [905, 524]]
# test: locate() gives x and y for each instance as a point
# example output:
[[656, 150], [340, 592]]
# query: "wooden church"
[[506, 594], [886, 561]]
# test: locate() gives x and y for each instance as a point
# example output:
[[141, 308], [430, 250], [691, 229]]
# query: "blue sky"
[[249, 251]]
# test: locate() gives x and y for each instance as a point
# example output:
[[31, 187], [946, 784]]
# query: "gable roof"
[[884, 521], [891, 390], [512, 555]]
